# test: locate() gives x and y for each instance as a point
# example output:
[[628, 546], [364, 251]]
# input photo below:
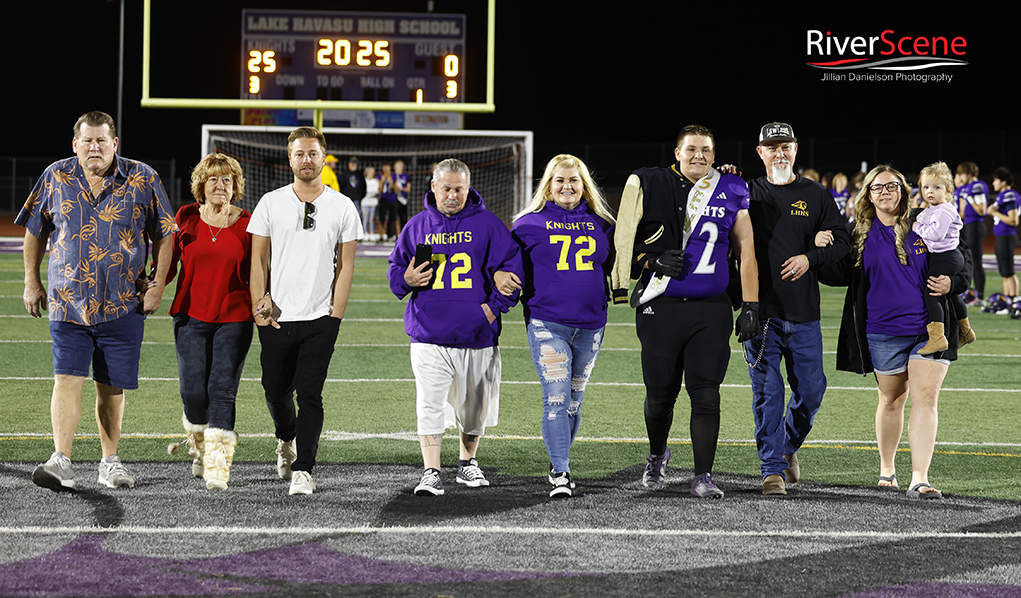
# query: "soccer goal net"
[[500, 161]]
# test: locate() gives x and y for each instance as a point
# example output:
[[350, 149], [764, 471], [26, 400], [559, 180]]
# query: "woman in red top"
[[212, 313]]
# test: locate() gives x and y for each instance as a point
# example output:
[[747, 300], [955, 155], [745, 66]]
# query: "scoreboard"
[[352, 56]]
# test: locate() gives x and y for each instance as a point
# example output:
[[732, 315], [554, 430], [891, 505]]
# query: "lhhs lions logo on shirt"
[[799, 208]]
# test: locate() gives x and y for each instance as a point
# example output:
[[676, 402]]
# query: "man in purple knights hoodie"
[[445, 259]]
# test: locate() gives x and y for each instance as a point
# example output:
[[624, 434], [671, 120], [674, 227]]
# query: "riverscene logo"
[[884, 57]]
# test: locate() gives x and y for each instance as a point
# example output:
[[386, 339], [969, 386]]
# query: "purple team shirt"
[[977, 190], [1007, 200], [895, 303]]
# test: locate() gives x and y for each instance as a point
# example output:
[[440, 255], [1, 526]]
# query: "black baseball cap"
[[776, 133]]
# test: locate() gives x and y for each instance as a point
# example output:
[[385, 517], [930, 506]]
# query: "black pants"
[[1005, 246], [974, 234], [387, 215], [944, 263], [295, 360], [687, 339]]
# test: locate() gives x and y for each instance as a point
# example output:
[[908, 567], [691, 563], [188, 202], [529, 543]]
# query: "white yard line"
[[515, 531]]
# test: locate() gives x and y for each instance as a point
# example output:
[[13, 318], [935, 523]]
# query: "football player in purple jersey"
[[971, 195], [675, 229], [1005, 219]]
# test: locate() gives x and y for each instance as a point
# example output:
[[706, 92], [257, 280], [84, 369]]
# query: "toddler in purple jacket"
[[939, 225]]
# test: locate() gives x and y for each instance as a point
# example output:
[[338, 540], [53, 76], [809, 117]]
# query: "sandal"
[[891, 482], [916, 493]]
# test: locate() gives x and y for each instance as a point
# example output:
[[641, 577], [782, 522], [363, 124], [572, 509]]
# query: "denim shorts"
[[111, 348], [890, 354]]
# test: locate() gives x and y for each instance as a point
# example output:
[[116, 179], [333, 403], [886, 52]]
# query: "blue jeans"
[[780, 430], [210, 358], [564, 357]]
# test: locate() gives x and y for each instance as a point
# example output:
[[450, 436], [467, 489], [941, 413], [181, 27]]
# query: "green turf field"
[[370, 415]]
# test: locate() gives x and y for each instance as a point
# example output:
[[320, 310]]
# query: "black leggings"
[[974, 234], [945, 263]]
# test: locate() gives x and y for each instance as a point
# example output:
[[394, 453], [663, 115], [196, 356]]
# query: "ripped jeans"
[[563, 357]]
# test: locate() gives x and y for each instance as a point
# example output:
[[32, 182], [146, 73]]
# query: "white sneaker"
[[301, 483], [113, 475], [287, 452], [55, 474]]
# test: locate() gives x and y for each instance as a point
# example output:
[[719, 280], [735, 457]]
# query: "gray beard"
[[781, 174]]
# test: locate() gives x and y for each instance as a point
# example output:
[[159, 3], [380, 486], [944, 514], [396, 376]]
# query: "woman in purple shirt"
[[566, 236], [884, 323]]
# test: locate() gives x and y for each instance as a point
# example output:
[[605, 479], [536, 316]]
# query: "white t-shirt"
[[371, 198], [303, 262]]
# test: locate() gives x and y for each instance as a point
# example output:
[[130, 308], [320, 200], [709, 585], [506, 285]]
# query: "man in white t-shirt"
[[309, 233]]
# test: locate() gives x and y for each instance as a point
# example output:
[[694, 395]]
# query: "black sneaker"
[[562, 485], [431, 485], [471, 475]]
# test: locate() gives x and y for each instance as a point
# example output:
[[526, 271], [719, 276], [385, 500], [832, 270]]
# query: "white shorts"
[[456, 387]]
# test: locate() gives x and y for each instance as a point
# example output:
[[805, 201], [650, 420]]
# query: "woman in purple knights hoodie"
[[566, 239], [884, 323]]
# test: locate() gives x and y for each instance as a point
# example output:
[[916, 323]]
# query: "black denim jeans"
[[295, 360]]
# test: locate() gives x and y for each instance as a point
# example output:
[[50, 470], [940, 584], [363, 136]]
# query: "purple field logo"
[[884, 57]]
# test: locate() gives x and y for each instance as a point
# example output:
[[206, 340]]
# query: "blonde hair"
[[939, 172], [591, 193], [865, 213], [214, 165]]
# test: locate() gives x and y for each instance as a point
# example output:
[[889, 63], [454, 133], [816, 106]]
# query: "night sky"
[[572, 73]]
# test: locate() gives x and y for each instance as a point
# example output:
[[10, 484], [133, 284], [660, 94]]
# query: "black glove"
[[747, 326], [669, 263]]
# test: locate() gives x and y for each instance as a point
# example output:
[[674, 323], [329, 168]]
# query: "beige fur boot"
[[967, 335], [219, 456], [937, 339], [196, 442]]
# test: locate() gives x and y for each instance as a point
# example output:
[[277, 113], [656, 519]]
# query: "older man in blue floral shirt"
[[98, 211]]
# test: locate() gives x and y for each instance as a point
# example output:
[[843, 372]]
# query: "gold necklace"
[[226, 220]]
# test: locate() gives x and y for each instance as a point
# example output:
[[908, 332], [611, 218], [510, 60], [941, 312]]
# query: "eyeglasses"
[[890, 187], [308, 222]]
